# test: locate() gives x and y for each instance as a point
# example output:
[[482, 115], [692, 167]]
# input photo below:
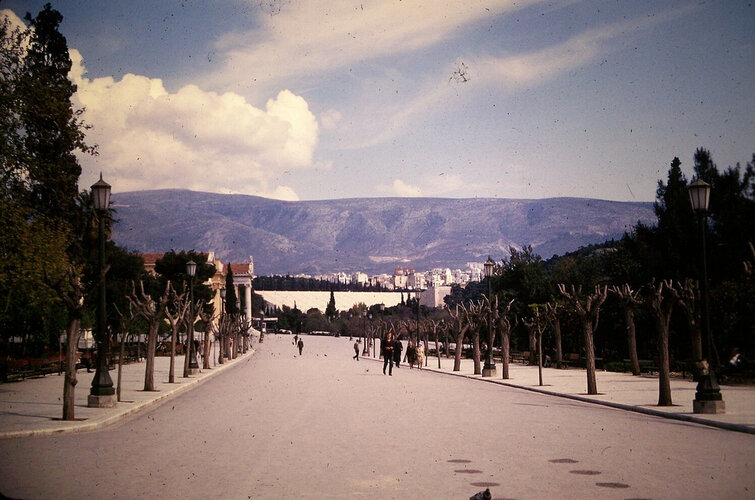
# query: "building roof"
[[239, 268]]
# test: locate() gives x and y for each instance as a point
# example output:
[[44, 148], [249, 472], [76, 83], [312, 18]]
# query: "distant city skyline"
[[307, 100]]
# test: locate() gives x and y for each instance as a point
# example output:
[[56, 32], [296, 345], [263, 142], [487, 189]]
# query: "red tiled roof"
[[240, 268]]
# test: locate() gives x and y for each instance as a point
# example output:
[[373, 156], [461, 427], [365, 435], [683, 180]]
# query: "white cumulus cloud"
[[400, 188], [149, 138]]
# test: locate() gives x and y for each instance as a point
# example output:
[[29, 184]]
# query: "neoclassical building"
[[243, 274]]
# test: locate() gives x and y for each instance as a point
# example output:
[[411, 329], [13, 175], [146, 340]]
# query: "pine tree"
[[330, 311], [231, 304]]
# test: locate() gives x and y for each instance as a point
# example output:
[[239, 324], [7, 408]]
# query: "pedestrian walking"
[[300, 345], [420, 354], [388, 347], [356, 351], [397, 348], [411, 354]]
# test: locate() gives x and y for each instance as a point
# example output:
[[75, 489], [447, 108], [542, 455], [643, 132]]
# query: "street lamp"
[[366, 347], [418, 296], [708, 397], [489, 369], [220, 329], [102, 393], [380, 331], [193, 367]]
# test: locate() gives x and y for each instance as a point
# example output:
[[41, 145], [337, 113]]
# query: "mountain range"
[[373, 235]]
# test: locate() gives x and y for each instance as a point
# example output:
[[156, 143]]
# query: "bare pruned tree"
[[152, 311], [661, 304], [210, 328], [502, 321], [687, 295], [176, 311], [552, 315], [629, 300], [435, 326], [588, 310], [243, 326], [476, 320], [535, 327], [460, 326], [71, 291], [125, 321]]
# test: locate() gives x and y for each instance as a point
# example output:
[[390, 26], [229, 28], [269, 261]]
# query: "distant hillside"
[[370, 234]]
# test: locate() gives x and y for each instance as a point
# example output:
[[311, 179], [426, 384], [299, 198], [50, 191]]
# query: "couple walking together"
[[391, 351]]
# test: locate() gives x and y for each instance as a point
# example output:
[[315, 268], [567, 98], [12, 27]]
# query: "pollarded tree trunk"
[[662, 305], [474, 322], [125, 322], [175, 318], [632, 341], [459, 348], [532, 335], [461, 326], [70, 290], [587, 338], [551, 314], [504, 323], [505, 353], [149, 365], [152, 311], [434, 326], [70, 381], [629, 300], [589, 314]]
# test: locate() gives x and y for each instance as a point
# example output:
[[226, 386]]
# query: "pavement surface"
[[277, 424], [33, 407]]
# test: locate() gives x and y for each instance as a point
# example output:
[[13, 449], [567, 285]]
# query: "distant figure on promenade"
[[388, 347], [397, 348], [411, 354], [356, 351], [420, 354], [300, 345]]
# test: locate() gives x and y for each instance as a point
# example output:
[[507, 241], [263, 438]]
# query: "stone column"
[[248, 301]]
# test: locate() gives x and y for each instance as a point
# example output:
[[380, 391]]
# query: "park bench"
[[571, 359], [520, 357]]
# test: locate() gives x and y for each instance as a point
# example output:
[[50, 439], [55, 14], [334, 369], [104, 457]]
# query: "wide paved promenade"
[[274, 424]]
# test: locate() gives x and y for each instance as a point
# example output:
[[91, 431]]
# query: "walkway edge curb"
[[100, 424], [747, 429], [620, 406]]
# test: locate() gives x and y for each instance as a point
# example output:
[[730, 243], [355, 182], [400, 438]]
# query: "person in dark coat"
[[300, 345], [398, 347], [388, 349], [356, 351]]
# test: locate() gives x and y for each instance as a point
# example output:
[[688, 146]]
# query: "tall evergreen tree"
[[330, 311], [231, 302], [52, 128]]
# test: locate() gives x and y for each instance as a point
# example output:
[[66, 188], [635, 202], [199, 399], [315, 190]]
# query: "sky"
[[312, 100]]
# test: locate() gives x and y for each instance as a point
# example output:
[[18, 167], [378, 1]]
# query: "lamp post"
[[366, 347], [220, 327], [193, 367], [102, 393], [418, 296], [708, 397], [380, 331], [489, 369]]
